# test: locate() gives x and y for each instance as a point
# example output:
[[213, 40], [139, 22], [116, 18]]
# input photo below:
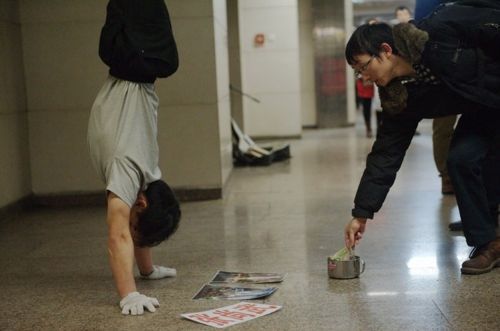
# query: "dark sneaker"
[[483, 259]]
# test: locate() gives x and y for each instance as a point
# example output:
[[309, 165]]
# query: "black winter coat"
[[394, 137], [464, 49]]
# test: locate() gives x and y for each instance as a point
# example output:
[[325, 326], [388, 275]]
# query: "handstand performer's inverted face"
[[140, 204]]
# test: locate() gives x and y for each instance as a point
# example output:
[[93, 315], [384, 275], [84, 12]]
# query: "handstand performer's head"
[[155, 215]]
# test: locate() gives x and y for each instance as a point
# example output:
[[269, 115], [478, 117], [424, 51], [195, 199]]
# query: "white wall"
[[15, 178], [271, 73]]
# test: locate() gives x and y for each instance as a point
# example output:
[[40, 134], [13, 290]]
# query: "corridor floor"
[[286, 218]]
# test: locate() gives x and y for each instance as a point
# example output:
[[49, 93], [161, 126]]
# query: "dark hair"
[[161, 217], [367, 39]]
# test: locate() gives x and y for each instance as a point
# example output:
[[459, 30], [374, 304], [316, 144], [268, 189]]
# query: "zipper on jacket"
[[456, 55], [492, 25]]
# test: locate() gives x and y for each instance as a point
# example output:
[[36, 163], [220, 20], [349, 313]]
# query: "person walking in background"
[[142, 211], [376, 105], [377, 108], [365, 94], [402, 15], [442, 132]]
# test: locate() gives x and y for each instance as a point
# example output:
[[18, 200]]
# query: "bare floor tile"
[[285, 218]]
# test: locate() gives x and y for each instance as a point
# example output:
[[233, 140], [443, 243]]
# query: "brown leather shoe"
[[483, 259]]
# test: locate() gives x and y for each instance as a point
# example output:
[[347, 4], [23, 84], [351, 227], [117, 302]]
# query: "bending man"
[[450, 65]]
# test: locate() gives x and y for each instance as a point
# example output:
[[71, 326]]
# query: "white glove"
[[160, 272], [135, 302]]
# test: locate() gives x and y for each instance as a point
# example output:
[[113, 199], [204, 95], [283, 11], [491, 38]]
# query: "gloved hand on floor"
[[135, 302]]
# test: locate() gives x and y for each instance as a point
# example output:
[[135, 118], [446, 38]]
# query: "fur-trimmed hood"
[[410, 43], [459, 45]]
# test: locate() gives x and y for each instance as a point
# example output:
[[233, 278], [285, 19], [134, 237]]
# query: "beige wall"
[[194, 103], [223, 96], [15, 177], [64, 73], [234, 61]]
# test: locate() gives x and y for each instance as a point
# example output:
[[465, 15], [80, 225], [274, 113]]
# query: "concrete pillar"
[[307, 78], [234, 62], [15, 178]]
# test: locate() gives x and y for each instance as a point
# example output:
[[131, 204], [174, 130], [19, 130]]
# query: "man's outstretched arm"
[[121, 258], [120, 245], [383, 163]]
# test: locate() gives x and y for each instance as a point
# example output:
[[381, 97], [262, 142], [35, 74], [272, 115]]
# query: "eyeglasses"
[[363, 68]]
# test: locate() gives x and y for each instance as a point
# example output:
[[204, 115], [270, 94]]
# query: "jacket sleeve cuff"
[[361, 213]]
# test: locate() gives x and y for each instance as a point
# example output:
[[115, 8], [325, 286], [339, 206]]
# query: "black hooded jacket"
[[464, 48], [137, 42]]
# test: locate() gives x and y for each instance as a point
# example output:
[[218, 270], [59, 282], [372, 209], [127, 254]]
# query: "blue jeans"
[[474, 169]]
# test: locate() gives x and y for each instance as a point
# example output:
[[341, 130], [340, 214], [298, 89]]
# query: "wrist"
[[131, 294], [128, 297], [127, 291], [359, 212]]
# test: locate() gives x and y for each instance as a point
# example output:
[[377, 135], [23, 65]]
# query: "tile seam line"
[[442, 314]]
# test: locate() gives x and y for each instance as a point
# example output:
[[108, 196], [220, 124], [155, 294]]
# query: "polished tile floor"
[[285, 218]]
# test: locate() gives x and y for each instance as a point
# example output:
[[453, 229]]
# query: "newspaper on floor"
[[244, 277], [215, 291], [231, 315]]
